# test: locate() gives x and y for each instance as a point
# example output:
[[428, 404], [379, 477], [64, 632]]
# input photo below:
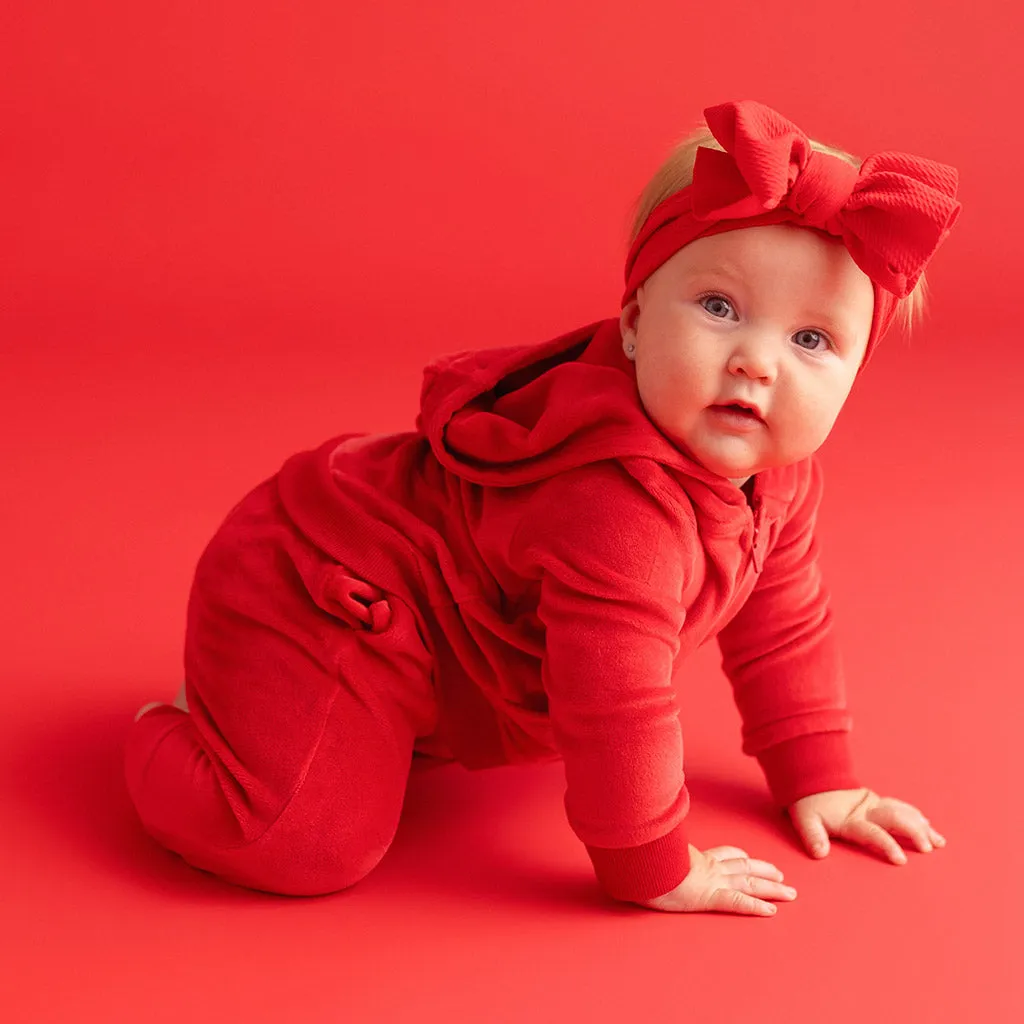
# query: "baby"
[[522, 577]]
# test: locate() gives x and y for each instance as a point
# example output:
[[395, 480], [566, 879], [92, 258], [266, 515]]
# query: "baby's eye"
[[815, 337], [716, 305]]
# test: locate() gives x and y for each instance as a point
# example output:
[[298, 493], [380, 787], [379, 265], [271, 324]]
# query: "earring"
[[630, 349]]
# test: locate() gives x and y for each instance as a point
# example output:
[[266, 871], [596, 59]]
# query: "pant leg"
[[307, 688]]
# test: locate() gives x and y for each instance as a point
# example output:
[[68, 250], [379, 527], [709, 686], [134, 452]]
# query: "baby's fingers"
[[903, 819], [874, 837], [751, 866], [741, 896]]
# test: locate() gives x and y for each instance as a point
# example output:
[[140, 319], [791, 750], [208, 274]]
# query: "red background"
[[234, 230]]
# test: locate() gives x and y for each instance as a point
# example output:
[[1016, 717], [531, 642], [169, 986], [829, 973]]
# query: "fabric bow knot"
[[892, 214]]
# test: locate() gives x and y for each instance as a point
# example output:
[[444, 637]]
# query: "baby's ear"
[[627, 321]]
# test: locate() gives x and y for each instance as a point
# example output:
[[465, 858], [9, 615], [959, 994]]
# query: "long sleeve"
[[611, 637], [782, 658]]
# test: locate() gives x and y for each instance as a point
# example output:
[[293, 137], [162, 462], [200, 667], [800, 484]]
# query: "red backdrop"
[[236, 229]]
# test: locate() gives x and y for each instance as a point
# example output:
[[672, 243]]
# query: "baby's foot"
[[179, 702], [148, 707]]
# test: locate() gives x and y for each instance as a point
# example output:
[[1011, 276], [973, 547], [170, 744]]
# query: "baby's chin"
[[734, 473], [739, 467]]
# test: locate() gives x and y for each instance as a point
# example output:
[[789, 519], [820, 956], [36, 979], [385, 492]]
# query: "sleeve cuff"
[[808, 764], [643, 872]]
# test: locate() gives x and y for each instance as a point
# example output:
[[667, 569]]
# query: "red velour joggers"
[[307, 688]]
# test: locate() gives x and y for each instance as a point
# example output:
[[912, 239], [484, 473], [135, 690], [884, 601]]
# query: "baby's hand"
[[861, 816], [725, 879]]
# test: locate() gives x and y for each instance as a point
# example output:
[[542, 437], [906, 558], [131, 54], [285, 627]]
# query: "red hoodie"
[[564, 559]]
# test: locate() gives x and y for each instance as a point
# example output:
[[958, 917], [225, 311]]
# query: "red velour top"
[[564, 558]]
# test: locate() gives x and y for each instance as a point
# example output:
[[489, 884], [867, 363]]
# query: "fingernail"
[[927, 847], [940, 840]]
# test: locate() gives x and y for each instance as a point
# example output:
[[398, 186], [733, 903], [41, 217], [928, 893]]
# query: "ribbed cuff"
[[808, 764], [643, 872]]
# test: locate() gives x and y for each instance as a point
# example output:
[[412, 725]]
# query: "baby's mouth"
[[741, 409]]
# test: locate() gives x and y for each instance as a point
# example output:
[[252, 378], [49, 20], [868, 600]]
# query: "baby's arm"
[[610, 643], [782, 657]]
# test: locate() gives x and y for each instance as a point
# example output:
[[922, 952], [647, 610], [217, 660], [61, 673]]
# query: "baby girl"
[[522, 577]]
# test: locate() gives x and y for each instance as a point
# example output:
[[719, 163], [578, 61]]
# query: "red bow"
[[892, 215]]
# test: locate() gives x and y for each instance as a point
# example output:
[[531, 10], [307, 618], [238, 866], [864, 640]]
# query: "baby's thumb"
[[814, 836]]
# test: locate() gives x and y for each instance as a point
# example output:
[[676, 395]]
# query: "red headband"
[[892, 214]]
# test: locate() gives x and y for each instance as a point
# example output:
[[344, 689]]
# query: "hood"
[[509, 416]]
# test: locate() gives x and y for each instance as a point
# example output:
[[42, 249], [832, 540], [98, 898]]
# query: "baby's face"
[[778, 315]]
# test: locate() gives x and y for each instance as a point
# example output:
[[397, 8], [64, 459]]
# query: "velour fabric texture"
[[892, 213], [520, 578]]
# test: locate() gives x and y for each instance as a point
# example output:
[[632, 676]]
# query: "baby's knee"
[[311, 868]]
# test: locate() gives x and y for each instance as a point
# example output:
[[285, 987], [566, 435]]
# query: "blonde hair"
[[677, 172]]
